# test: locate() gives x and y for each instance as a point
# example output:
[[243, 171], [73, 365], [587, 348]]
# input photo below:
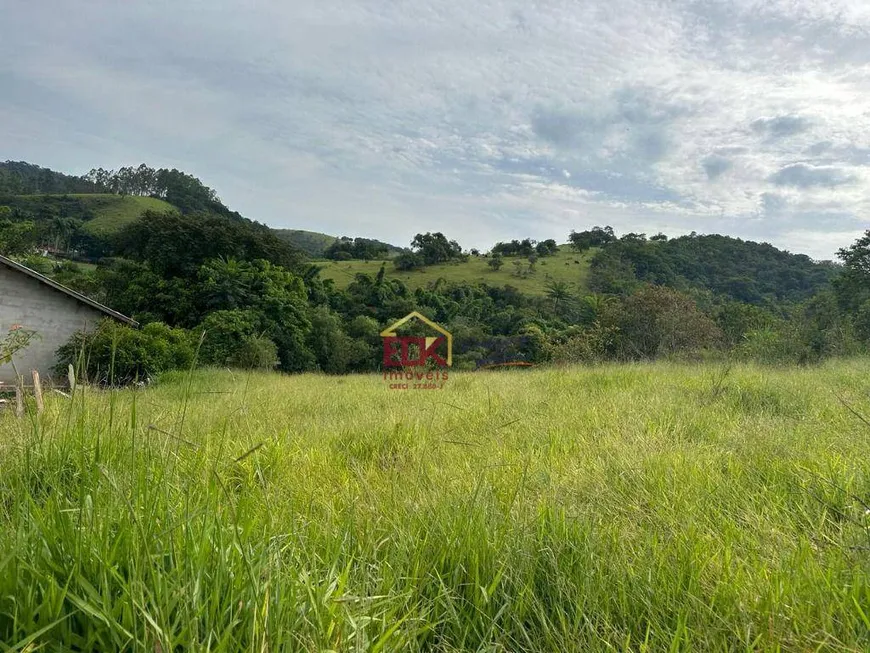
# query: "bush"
[[232, 338], [657, 321], [255, 353], [590, 345], [408, 261], [116, 354]]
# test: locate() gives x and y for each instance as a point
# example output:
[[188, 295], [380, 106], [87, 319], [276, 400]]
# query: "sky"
[[485, 120]]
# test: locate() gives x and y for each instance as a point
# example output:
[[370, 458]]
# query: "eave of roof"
[[67, 291]]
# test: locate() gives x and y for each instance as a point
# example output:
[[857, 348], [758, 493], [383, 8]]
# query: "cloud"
[[384, 119], [559, 128], [819, 148], [805, 176], [781, 126], [715, 166]]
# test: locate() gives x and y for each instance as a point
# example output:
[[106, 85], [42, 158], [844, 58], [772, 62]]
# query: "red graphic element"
[[405, 342]]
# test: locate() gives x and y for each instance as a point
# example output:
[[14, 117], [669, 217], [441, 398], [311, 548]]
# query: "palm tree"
[[558, 291], [596, 302]]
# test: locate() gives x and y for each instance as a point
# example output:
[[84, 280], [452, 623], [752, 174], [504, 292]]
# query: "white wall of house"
[[54, 315]]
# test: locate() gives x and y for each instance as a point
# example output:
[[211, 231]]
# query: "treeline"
[[754, 273], [184, 191], [429, 249], [364, 249], [210, 286], [180, 189], [58, 225], [525, 247], [20, 178], [249, 311]]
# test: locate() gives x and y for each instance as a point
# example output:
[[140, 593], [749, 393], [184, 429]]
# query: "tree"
[[333, 349], [277, 296], [232, 338], [853, 284], [344, 249], [558, 291], [435, 248], [116, 354], [495, 263], [657, 321], [595, 237], [546, 247], [408, 261], [17, 238], [17, 339], [177, 245]]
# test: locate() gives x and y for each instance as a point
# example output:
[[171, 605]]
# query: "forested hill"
[[96, 215], [318, 245], [21, 178], [750, 272], [185, 192]]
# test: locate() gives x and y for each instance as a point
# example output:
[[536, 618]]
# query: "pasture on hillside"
[[566, 265], [113, 212], [645, 507]]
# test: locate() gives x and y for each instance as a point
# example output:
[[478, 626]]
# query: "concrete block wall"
[[54, 315]]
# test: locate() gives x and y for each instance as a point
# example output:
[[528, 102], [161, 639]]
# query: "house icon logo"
[[411, 351]]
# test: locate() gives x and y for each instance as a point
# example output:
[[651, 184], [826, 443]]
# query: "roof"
[[66, 291]]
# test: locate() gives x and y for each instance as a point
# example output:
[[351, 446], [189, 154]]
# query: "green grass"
[[622, 508], [113, 212], [110, 212], [566, 265]]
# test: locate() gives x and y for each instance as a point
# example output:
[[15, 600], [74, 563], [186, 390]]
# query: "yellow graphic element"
[[391, 331]]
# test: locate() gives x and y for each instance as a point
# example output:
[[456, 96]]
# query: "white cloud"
[[487, 120]]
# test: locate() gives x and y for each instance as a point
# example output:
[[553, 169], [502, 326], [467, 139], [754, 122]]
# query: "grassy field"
[[116, 211], [622, 508], [566, 265]]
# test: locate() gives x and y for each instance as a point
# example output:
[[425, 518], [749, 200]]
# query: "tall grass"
[[627, 508]]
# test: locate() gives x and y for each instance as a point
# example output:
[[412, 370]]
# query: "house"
[[33, 301]]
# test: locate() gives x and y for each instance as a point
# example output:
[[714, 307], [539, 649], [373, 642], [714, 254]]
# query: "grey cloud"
[[650, 145], [731, 150], [788, 35], [716, 165], [559, 127], [637, 111], [781, 126], [802, 175], [375, 112], [819, 148], [826, 153], [773, 204], [641, 105]]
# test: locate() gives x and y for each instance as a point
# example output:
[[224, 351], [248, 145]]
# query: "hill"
[[112, 212], [312, 243], [565, 266], [103, 214], [22, 178], [750, 272]]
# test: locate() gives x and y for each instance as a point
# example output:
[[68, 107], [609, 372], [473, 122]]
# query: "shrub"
[[116, 354], [408, 261], [657, 321], [232, 338], [590, 345], [255, 352]]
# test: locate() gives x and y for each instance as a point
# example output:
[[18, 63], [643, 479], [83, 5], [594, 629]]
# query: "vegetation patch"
[[230, 511]]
